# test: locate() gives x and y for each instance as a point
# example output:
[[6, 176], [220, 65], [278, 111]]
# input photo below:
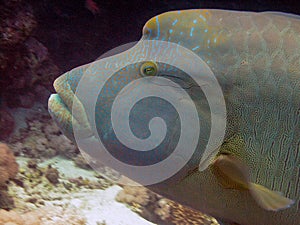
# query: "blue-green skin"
[[256, 59]]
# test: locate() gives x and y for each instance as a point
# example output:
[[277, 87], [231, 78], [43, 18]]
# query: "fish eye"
[[149, 69]]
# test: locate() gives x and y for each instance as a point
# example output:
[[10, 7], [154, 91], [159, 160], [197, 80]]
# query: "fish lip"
[[67, 115], [59, 87], [61, 115], [59, 84]]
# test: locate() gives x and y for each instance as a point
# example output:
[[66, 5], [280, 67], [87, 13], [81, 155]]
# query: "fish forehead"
[[190, 28], [214, 20], [209, 32]]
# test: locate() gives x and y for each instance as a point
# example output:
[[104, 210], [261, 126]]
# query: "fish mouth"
[[67, 110]]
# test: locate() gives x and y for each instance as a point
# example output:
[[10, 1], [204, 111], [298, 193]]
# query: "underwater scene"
[[166, 112]]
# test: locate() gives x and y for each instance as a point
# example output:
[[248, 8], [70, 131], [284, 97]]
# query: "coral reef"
[[37, 183], [81, 162], [7, 124], [8, 170], [17, 23], [160, 210], [174, 213], [27, 70], [8, 164], [42, 139], [52, 175], [136, 194], [140, 200], [83, 182], [6, 201], [43, 216]]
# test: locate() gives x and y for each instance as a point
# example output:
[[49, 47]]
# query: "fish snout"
[[67, 110]]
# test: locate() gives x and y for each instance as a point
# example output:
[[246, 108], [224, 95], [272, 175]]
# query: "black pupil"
[[148, 70]]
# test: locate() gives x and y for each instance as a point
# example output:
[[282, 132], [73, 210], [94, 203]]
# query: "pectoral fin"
[[233, 173], [269, 200]]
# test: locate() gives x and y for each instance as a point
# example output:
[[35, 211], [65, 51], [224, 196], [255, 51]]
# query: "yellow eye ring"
[[149, 69]]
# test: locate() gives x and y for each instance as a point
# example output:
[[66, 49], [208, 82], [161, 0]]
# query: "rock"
[[81, 162], [24, 100], [36, 52], [24, 61], [17, 24], [7, 124], [41, 93], [52, 175]]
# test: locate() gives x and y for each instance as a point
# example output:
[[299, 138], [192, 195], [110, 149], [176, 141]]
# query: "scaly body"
[[256, 59]]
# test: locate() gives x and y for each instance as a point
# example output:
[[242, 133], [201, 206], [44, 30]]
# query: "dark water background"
[[74, 36], [41, 39]]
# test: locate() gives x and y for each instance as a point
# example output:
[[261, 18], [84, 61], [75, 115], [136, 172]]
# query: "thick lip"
[[67, 110]]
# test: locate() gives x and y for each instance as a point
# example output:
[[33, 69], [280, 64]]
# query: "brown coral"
[[8, 164], [6, 202], [161, 210], [135, 194], [174, 213]]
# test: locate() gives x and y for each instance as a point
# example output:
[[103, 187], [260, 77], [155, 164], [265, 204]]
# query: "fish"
[[253, 175]]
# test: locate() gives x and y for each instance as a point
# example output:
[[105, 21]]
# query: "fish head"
[[145, 109], [141, 114]]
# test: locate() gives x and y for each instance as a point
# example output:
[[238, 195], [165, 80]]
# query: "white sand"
[[101, 206], [96, 205]]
